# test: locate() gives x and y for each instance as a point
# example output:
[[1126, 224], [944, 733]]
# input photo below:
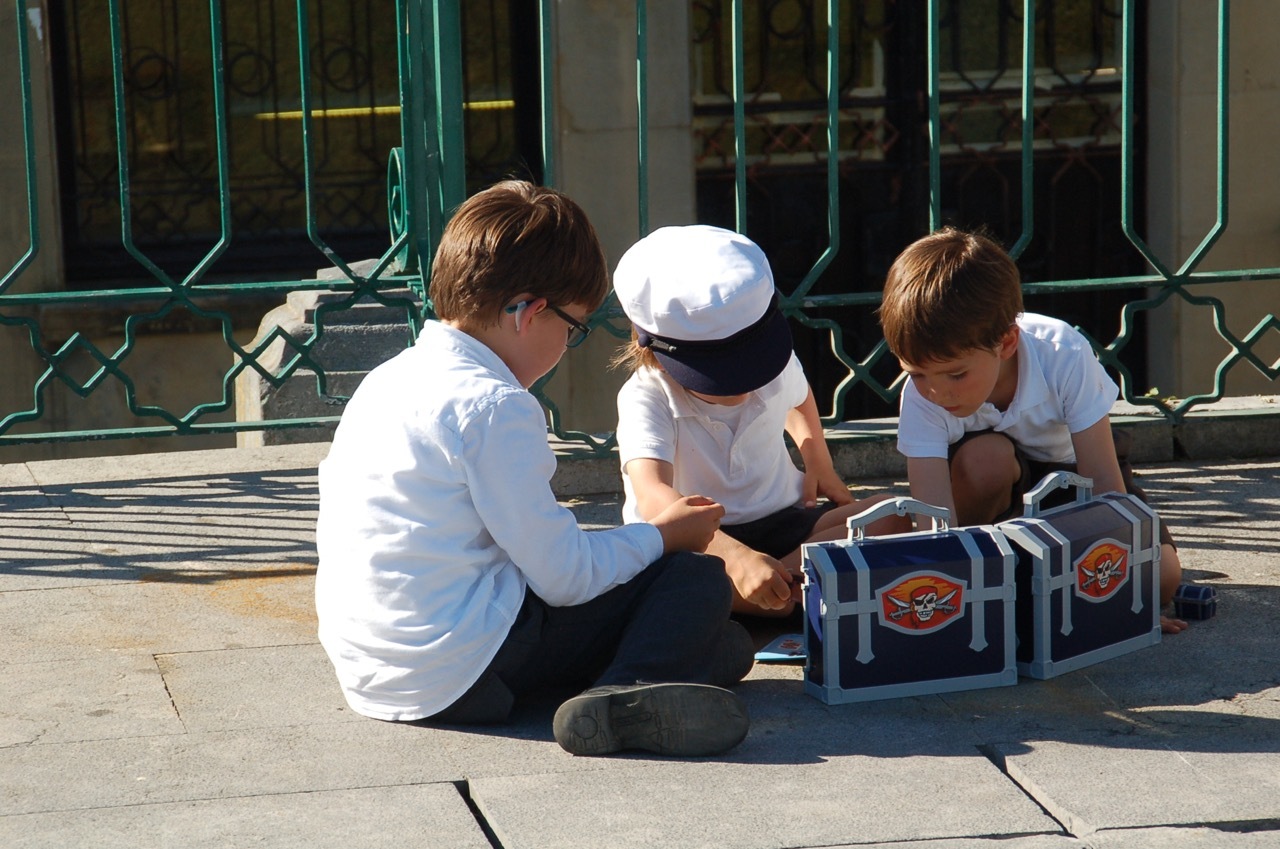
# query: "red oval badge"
[[921, 602], [1102, 570]]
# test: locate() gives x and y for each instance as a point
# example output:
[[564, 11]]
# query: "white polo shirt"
[[734, 455], [436, 511], [1062, 389]]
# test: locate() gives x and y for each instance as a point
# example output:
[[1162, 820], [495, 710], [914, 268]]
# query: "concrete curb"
[[1233, 428]]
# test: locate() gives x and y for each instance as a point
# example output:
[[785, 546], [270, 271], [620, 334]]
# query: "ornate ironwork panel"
[[883, 150], [166, 57], [212, 156], [167, 80]]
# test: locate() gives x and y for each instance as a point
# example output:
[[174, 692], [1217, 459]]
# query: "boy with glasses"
[[578, 331], [451, 583]]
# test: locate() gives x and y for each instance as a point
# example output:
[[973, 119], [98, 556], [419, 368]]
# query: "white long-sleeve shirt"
[[436, 511]]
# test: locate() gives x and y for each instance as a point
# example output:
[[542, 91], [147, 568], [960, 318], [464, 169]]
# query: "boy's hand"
[[824, 484], [763, 581], [688, 524]]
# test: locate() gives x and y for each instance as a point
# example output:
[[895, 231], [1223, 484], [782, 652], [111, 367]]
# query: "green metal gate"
[[427, 177]]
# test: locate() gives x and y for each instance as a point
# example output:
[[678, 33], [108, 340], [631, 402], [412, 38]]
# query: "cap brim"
[[736, 368]]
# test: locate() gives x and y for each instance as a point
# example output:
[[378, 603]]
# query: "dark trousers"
[[663, 625], [1034, 471], [781, 533]]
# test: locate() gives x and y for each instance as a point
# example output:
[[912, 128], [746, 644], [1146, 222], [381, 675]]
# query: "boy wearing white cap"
[[715, 385]]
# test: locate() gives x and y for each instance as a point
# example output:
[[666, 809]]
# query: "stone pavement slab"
[[1089, 788], [259, 687], [1184, 838], [126, 692], [1039, 841], [778, 804], [219, 610], [161, 768], [162, 686], [69, 550], [429, 816], [208, 465]]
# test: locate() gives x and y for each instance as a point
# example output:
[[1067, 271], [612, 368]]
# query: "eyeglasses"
[[577, 330]]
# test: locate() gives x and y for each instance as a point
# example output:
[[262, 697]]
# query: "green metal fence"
[[427, 177]]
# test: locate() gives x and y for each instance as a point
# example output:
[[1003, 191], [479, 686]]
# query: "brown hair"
[[632, 356], [949, 293], [516, 237]]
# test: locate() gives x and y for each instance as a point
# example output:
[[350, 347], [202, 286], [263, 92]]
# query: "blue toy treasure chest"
[[908, 614], [1195, 602], [1088, 578]]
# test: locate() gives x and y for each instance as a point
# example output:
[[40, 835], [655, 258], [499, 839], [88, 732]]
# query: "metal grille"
[[881, 135], [162, 95], [220, 133]]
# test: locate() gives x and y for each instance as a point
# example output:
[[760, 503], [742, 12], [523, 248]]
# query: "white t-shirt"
[[734, 455], [436, 511], [1062, 389]]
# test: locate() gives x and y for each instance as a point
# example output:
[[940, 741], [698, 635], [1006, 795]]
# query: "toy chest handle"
[[1055, 480], [897, 507]]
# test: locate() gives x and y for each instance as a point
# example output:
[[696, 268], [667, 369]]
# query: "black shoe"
[[669, 719]]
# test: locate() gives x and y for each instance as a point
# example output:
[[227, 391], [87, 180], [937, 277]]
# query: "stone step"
[[345, 347], [304, 307], [296, 398], [345, 342]]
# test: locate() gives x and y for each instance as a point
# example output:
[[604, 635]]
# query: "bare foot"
[[1169, 625]]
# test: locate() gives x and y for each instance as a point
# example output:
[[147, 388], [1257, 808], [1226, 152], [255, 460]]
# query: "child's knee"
[[892, 525], [703, 575], [1170, 572], [834, 524], [988, 462]]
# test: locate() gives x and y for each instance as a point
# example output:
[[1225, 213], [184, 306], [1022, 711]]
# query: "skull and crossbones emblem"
[[1101, 574], [923, 605]]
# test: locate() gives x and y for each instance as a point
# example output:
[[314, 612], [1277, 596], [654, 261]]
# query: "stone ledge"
[[1232, 427], [864, 450]]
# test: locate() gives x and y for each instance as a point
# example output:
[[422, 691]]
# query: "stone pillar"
[[1185, 349], [43, 273], [353, 341], [596, 125]]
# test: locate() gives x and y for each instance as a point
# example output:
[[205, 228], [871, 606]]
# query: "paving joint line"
[[464, 790], [155, 659], [1072, 824]]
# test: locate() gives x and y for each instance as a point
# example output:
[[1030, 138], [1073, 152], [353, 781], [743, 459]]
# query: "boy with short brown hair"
[[451, 582], [996, 398]]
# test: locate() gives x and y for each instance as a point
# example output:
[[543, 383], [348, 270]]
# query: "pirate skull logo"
[[1101, 574], [923, 604], [924, 601], [1102, 570]]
